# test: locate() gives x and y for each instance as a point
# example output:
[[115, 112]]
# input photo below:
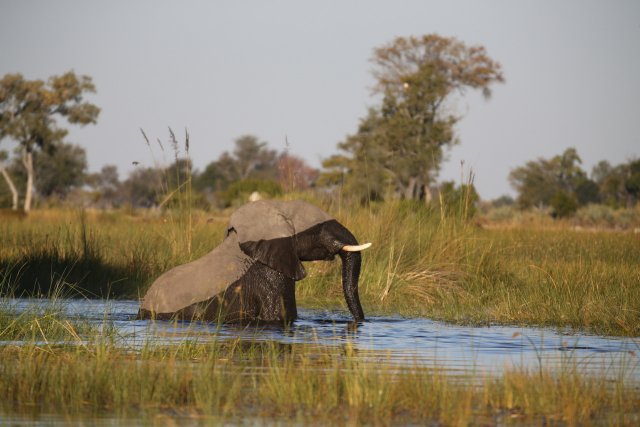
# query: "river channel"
[[384, 339]]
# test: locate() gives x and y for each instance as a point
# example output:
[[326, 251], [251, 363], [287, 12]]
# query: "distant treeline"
[[62, 178], [562, 186], [395, 153], [558, 185]]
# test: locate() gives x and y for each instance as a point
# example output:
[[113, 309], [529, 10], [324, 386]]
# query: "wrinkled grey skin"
[[251, 276]]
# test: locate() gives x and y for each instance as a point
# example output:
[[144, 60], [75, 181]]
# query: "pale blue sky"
[[300, 70]]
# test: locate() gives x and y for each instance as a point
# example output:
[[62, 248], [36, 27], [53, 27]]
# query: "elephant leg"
[[280, 305]]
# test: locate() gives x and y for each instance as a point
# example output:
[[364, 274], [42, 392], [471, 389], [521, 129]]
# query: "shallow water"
[[389, 339]]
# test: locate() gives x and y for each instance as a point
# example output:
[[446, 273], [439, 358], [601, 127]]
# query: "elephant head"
[[251, 275]]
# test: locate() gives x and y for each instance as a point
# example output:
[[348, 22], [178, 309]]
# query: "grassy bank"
[[270, 381], [423, 262], [95, 254], [52, 364], [429, 264]]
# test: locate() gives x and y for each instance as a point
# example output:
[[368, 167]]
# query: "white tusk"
[[351, 248]]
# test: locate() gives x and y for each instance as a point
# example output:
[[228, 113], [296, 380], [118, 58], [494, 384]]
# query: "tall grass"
[[96, 254], [428, 264], [58, 365], [425, 262], [297, 382], [176, 189]]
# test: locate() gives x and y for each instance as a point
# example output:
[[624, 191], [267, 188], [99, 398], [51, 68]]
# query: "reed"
[[427, 264], [95, 254], [306, 383], [424, 262]]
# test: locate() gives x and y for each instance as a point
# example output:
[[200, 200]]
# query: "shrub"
[[502, 213], [563, 205], [595, 215], [627, 218]]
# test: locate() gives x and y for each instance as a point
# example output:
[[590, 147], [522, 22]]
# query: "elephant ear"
[[267, 234]]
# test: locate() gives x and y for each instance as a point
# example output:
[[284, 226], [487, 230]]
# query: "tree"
[[611, 183], [401, 143], [601, 171], [563, 204], [365, 171], [632, 182], [586, 190], [207, 180], [28, 112], [573, 180], [619, 185], [253, 159], [504, 200], [178, 174], [536, 182], [143, 187], [60, 168], [559, 182], [7, 178], [250, 159], [107, 187], [294, 173]]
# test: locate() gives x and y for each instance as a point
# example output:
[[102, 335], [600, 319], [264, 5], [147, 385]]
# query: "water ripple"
[[396, 340]]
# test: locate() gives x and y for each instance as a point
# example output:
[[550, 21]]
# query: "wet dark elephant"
[[251, 275]]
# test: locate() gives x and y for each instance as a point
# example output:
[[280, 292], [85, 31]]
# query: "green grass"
[[96, 254], [427, 264], [423, 262], [232, 380], [59, 365], [46, 324]]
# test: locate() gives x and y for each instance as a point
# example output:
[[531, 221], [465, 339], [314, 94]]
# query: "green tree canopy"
[[559, 183], [399, 146], [29, 109], [536, 182], [60, 169], [251, 160], [618, 185], [143, 187], [252, 165], [106, 187]]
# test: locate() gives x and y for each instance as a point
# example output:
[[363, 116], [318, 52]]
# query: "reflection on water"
[[163, 418], [392, 340]]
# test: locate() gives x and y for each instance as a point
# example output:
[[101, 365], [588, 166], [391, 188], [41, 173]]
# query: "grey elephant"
[[251, 275]]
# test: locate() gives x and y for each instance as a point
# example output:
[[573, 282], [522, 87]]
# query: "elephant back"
[[266, 232], [270, 219]]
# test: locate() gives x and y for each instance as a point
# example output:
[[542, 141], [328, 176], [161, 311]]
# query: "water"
[[386, 339]]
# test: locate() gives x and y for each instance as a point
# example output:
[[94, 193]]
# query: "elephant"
[[251, 275]]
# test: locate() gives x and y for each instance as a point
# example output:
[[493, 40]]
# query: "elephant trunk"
[[350, 275]]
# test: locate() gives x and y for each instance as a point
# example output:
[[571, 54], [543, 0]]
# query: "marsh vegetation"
[[58, 363], [429, 260], [424, 262]]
